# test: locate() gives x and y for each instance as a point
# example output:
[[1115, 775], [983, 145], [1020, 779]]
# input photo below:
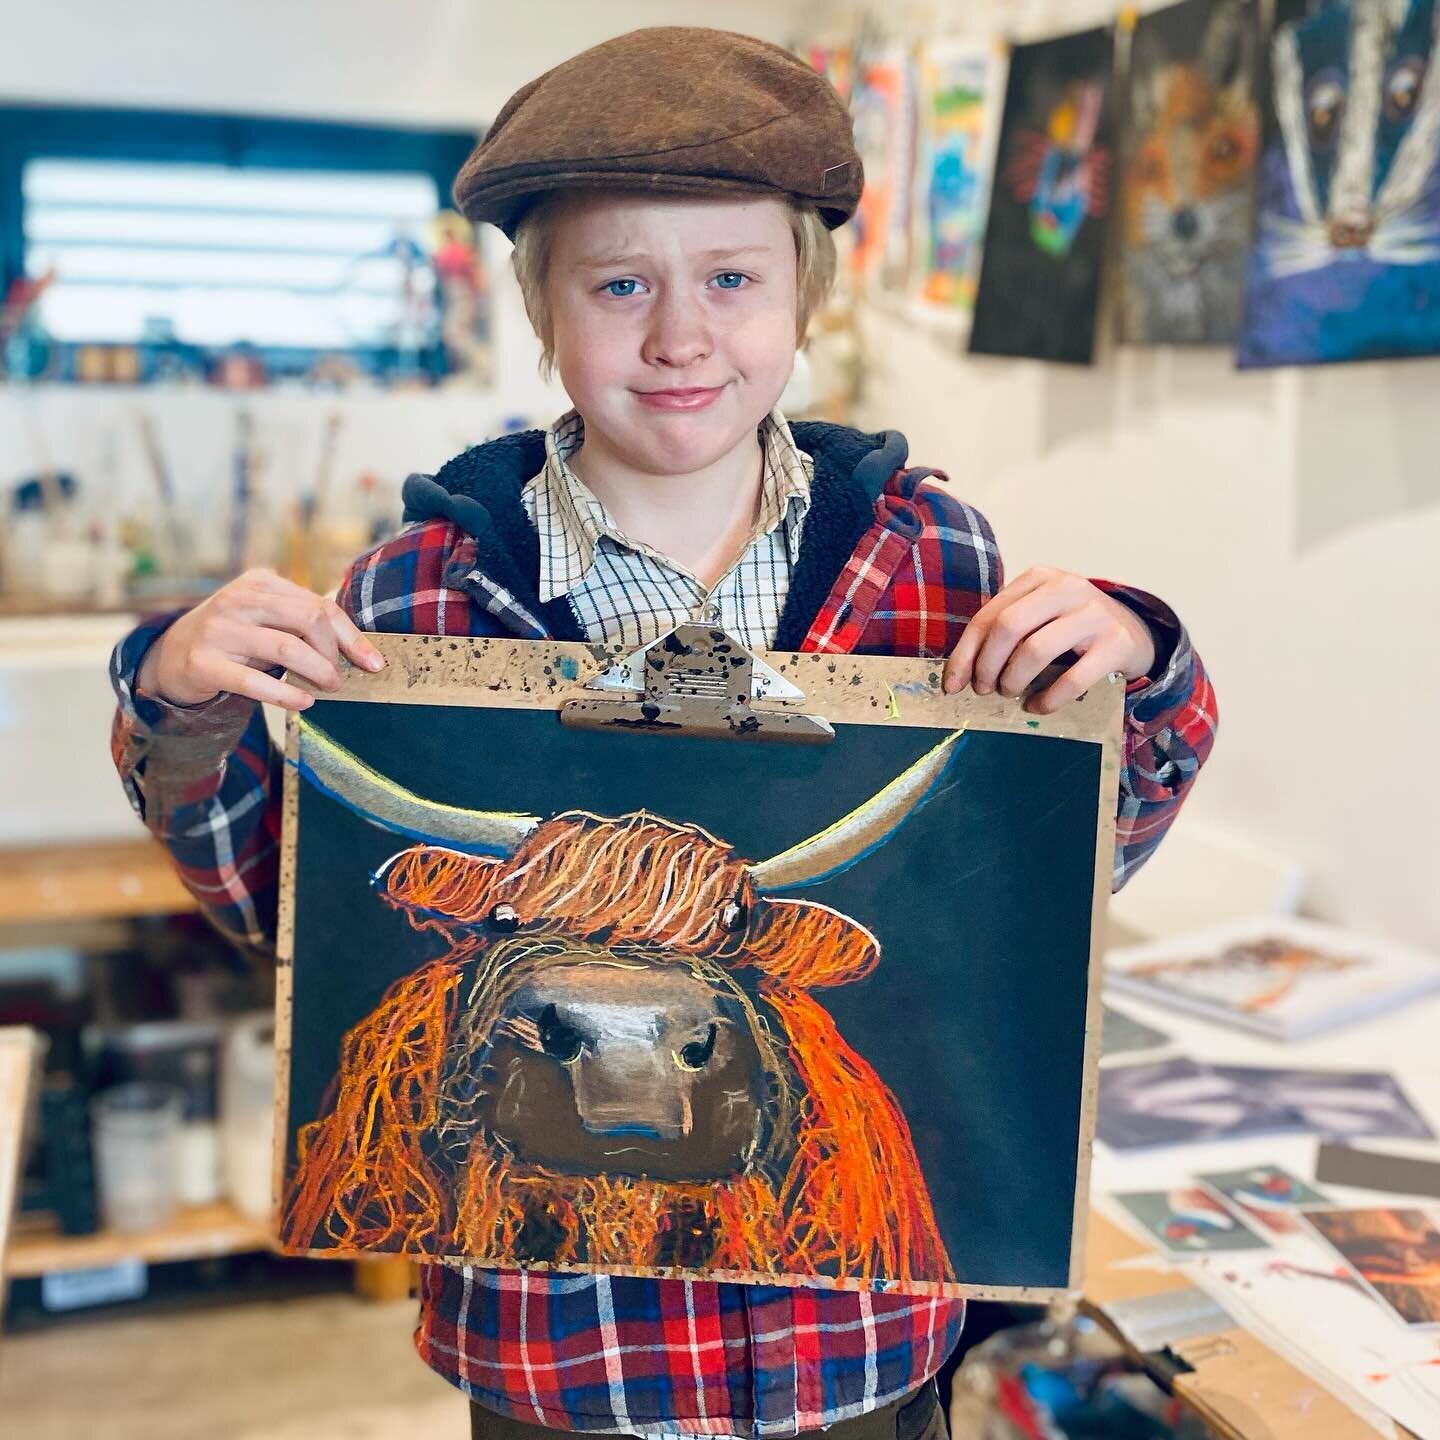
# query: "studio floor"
[[320, 1368]]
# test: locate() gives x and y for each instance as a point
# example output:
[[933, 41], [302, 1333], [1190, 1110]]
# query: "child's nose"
[[679, 332]]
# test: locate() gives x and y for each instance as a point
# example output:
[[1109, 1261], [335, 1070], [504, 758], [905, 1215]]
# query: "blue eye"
[[618, 288], [729, 280]]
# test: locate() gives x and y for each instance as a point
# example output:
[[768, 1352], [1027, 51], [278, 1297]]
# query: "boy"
[[670, 194]]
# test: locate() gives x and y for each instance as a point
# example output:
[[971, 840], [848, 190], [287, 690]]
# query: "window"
[[195, 234], [212, 257]]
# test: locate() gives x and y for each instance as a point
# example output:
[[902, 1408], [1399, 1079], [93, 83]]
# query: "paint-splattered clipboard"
[[777, 968]]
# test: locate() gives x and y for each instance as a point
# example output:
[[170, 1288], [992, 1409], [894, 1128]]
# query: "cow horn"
[[345, 777], [864, 829]]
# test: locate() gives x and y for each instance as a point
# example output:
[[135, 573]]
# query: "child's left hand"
[[1035, 619]]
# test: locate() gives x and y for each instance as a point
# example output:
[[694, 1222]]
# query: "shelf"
[[196, 1233], [110, 881]]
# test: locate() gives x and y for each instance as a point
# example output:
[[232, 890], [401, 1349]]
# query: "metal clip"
[[697, 680]]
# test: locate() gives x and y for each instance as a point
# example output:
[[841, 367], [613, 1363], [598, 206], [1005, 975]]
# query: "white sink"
[[57, 782]]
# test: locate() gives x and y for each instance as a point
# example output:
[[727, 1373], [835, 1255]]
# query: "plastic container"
[[247, 1114], [183, 1054], [137, 1154]]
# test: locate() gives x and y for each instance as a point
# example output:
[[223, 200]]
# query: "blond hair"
[[535, 238]]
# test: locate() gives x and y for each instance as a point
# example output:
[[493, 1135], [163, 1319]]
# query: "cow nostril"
[[697, 1053], [557, 1038]]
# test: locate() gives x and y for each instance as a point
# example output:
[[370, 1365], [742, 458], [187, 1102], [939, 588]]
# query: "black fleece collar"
[[479, 491]]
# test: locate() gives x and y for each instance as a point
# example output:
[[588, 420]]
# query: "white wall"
[[433, 62], [1293, 520]]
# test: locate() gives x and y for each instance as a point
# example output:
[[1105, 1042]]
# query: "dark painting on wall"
[[1045, 239], [689, 1005], [1346, 262], [1190, 146]]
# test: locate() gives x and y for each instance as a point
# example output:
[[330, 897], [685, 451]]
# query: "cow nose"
[[1185, 223], [634, 1088]]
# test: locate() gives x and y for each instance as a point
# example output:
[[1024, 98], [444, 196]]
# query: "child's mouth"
[[689, 398]]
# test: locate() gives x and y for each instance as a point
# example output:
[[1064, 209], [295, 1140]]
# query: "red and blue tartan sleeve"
[[1170, 722], [206, 780]]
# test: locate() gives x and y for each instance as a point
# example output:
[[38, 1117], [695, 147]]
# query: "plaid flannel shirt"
[[635, 1355]]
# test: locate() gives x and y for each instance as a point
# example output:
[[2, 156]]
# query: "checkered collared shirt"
[[624, 591]]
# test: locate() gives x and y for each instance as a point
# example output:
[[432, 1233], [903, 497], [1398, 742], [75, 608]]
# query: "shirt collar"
[[571, 521]]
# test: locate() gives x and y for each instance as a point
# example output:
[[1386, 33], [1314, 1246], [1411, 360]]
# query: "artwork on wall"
[[1190, 148], [836, 63], [1346, 263], [882, 107], [1040, 273], [958, 104], [642, 1003]]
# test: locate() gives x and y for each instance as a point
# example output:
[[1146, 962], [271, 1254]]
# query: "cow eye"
[[696, 1055], [503, 918], [734, 917], [558, 1038]]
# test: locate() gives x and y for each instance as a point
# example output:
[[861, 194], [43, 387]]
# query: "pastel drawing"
[[1347, 259], [619, 1059], [1187, 189]]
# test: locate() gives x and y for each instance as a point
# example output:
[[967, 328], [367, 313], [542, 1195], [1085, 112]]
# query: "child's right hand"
[[255, 623]]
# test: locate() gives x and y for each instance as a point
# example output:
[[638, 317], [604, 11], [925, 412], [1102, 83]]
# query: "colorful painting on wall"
[[673, 1004], [1346, 263], [1190, 148], [882, 106], [959, 85], [1044, 243]]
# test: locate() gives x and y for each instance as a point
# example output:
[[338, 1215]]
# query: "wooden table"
[[1243, 1390], [19, 1061]]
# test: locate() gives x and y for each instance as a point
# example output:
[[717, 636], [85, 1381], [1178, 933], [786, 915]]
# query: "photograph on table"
[[1189, 147], [1045, 237], [1123, 1035], [1346, 262], [1279, 976], [670, 1003], [1267, 1196], [1334, 1103], [1179, 1101], [1396, 1252], [961, 85], [1187, 1220]]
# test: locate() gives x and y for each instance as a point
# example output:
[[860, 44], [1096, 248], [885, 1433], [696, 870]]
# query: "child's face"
[[674, 322]]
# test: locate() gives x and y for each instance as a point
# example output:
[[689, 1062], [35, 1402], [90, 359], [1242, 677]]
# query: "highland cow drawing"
[[615, 1039], [597, 1086]]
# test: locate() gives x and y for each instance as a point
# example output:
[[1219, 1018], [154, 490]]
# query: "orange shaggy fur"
[[851, 1203]]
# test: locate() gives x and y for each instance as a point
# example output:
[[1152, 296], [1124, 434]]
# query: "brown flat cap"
[[673, 108]]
